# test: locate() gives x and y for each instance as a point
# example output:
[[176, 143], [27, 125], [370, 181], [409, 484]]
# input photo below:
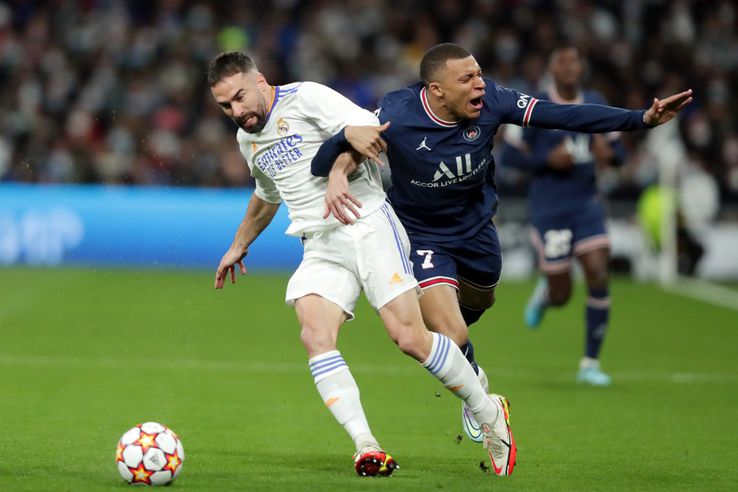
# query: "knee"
[[597, 279], [414, 342], [315, 340], [559, 296]]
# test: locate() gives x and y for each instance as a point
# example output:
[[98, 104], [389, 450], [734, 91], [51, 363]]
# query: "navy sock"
[[597, 314], [468, 350], [471, 316]]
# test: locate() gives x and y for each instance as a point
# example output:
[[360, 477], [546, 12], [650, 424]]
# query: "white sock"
[[588, 362], [340, 394], [450, 367]]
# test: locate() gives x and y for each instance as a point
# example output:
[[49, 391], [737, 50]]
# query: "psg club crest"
[[471, 134], [282, 127]]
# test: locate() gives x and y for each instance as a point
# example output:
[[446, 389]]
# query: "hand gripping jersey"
[[302, 116], [443, 172], [553, 191]]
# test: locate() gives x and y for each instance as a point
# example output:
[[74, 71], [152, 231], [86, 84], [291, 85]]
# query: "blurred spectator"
[[114, 91]]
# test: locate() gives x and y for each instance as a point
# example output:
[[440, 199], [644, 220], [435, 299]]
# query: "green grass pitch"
[[85, 355]]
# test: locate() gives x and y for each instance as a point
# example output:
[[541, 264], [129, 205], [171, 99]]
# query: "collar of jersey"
[[273, 102], [556, 97], [429, 111]]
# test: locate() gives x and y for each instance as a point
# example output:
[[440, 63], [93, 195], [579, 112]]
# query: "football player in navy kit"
[[438, 137], [566, 211]]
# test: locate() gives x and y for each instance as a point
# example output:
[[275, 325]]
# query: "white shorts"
[[369, 255]]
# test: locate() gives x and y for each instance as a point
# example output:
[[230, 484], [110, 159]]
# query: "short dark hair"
[[436, 58], [227, 64], [564, 45]]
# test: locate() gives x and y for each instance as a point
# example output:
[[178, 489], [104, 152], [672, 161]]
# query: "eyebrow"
[[227, 103], [469, 75]]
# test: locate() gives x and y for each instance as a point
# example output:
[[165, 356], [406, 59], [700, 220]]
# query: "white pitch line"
[[506, 373], [705, 291]]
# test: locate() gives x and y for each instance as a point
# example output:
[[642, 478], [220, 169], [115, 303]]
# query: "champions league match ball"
[[149, 454]]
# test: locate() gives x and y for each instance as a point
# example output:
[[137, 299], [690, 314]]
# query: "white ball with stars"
[[149, 454]]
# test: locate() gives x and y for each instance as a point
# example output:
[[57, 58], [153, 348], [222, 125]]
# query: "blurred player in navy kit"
[[566, 211], [439, 146]]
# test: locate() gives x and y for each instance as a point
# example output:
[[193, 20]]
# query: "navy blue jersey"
[[443, 172], [552, 191]]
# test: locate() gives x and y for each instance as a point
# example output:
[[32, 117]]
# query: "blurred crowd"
[[112, 91]]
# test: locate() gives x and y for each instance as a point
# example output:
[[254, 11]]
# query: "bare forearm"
[[258, 216], [346, 163]]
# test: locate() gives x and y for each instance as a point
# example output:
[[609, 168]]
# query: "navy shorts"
[[560, 236], [476, 261]]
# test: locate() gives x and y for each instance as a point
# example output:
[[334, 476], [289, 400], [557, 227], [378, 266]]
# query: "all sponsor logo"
[[449, 174]]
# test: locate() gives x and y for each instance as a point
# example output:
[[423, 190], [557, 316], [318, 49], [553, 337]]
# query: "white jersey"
[[303, 115]]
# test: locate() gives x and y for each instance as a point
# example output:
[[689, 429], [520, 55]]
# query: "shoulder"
[[507, 103], [300, 89], [397, 102], [306, 91], [246, 142], [243, 137], [499, 93]]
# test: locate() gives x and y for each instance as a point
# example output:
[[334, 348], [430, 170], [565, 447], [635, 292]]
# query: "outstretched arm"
[[598, 118], [258, 215], [663, 110]]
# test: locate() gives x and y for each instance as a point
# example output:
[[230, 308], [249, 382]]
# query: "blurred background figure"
[[566, 211]]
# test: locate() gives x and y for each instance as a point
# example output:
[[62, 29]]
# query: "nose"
[[239, 109], [480, 83]]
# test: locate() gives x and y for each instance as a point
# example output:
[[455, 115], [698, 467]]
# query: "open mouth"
[[476, 103], [251, 123]]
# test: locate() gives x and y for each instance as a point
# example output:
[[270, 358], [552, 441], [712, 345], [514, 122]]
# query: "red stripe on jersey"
[[429, 111], [529, 111]]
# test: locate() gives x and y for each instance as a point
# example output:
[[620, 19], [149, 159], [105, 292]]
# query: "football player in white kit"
[[280, 130]]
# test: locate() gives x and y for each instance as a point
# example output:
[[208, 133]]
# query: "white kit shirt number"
[[557, 243], [428, 255]]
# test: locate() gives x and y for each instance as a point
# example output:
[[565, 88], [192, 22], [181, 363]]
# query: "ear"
[[435, 89], [260, 79]]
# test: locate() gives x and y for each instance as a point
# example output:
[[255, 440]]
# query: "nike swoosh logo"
[[331, 401], [498, 469]]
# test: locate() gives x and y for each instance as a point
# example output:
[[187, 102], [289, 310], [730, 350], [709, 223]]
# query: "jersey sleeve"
[[524, 110], [514, 106], [265, 187], [332, 111], [613, 138]]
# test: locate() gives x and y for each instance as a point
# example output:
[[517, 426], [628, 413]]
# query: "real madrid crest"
[[282, 126], [472, 133]]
